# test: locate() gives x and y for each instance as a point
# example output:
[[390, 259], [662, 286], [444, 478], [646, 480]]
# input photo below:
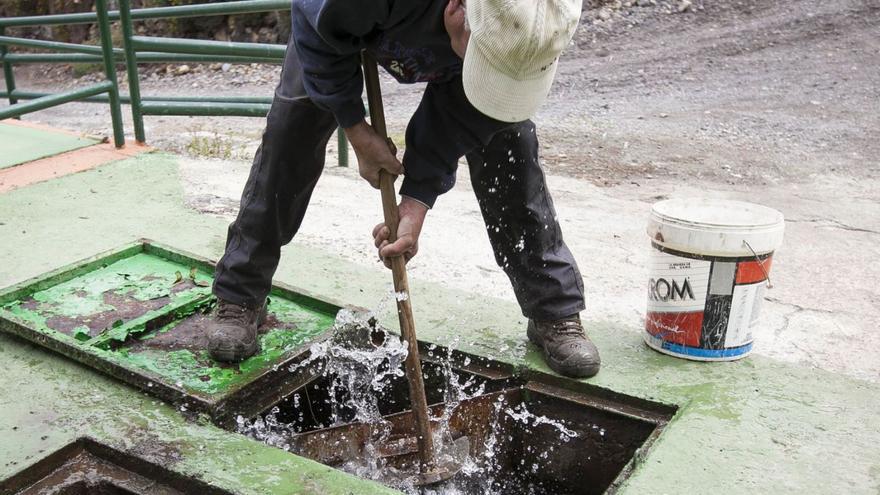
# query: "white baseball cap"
[[512, 53]]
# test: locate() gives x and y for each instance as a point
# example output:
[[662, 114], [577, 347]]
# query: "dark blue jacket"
[[409, 40]]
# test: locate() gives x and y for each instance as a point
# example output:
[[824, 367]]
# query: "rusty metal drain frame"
[[123, 464], [509, 379], [656, 413]]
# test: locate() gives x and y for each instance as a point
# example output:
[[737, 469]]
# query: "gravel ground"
[[772, 102], [752, 91]]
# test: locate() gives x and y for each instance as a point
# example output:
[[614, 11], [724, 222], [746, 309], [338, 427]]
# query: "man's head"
[[510, 50]]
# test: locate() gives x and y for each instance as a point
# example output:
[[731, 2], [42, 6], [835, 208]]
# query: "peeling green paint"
[[197, 372], [111, 295], [141, 278]]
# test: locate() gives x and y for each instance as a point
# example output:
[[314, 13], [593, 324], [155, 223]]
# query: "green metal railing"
[[144, 49], [105, 53]]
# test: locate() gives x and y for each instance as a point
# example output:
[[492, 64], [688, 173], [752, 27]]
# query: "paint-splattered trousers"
[[506, 176]]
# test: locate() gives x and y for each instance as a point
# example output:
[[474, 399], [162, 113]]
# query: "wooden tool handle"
[[398, 269], [389, 204], [377, 121]]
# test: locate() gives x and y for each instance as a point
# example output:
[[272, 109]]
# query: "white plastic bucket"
[[709, 268]]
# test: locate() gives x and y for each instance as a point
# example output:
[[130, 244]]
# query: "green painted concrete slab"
[[19, 144], [751, 426]]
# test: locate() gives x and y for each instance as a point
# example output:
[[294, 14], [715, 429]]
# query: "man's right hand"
[[373, 153]]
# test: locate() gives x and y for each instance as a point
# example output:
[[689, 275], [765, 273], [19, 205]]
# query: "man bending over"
[[488, 66]]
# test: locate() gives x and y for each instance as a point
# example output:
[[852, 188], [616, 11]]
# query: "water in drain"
[[355, 417]]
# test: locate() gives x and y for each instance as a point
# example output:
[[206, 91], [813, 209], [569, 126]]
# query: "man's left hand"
[[412, 216]]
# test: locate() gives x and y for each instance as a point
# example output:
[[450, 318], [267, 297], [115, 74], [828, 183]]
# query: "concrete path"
[[823, 311]]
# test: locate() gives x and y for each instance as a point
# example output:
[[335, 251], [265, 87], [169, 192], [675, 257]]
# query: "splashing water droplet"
[[358, 371]]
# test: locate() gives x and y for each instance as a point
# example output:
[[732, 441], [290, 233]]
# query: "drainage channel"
[[87, 467], [328, 389], [526, 436]]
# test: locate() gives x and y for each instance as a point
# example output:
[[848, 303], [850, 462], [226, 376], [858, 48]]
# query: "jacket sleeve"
[[328, 36], [444, 128]]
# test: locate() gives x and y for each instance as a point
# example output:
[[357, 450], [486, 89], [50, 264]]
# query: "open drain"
[[86, 467], [525, 436]]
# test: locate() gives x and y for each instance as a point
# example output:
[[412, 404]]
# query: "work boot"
[[567, 349], [232, 333]]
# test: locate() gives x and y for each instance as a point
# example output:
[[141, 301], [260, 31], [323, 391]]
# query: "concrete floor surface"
[[758, 425]]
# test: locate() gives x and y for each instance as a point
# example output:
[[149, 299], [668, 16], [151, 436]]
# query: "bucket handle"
[[760, 263]]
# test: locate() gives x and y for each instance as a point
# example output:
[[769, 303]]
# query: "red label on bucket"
[[703, 307]]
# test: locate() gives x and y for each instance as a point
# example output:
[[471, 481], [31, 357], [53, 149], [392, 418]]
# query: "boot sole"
[[234, 355]]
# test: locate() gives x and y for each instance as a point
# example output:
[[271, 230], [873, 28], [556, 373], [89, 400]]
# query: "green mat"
[[20, 144]]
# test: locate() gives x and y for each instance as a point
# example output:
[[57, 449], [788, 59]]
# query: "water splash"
[[359, 369], [522, 414]]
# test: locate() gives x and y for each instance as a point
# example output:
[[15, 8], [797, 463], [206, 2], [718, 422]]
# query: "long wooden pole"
[[398, 269]]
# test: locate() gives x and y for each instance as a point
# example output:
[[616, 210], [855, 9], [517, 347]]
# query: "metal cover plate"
[[138, 313]]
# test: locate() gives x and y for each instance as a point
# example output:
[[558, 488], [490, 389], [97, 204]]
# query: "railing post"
[[342, 147], [110, 71], [7, 71], [134, 85]]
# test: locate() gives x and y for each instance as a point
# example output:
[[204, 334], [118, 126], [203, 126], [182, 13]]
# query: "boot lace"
[[232, 312], [568, 327]]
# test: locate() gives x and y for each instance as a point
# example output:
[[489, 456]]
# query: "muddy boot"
[[232, 333], [567, 349]]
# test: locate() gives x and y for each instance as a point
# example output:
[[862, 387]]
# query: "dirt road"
[[772, 102], [752, 91]]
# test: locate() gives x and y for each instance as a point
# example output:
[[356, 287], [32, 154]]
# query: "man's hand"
[[372, 152], [455, 21], [412, 216]]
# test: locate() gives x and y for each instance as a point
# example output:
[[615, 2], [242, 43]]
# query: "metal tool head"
[[448, 461]]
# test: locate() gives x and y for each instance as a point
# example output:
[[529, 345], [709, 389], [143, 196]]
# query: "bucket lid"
[[718, 227]]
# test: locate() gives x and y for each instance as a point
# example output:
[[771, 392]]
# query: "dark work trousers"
[[512, 192], [506, 176]]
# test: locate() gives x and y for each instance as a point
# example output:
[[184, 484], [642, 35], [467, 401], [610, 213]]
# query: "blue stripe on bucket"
[[707, 353]]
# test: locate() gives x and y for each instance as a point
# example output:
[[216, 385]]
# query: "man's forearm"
[[357, 133], [444, 128]]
